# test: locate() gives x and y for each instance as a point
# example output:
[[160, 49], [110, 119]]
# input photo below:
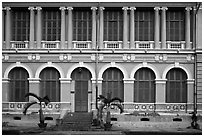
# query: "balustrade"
[[113, 44]]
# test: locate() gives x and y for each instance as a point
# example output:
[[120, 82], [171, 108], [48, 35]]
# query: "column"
[[187, 28], [69, 40], [5, 87], [132, 27], [32, 21], [34, 87], [39, 27], [93, 27], [156, 27], [163, 27], [101, 27], [62, 27], [8, 27], [125, 31]]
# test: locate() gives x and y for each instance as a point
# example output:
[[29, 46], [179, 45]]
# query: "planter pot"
[[42, 125], [107, 126]]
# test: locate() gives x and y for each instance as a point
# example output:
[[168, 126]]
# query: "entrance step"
[[76, 121]]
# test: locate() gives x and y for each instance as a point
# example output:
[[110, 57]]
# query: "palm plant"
[[107, 102], [41, 116]]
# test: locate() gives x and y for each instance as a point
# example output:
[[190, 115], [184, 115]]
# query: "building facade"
[[148, 54]]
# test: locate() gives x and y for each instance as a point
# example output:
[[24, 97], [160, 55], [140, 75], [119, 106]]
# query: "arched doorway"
[[50, 84], [144, 86], [81, 77], [113, 83], [176, 86], [18, 85]]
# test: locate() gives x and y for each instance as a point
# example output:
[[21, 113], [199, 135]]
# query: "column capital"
[[94, 8], [6, 8], [31, 8], [101, 8], [164, 8], [38, 8], [62, 8], [125, 8], [157, 8], [188, 8], [69, 8], [132, 8]]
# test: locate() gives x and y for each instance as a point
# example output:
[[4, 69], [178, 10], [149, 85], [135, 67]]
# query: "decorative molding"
[[38, 8], [7, 8], [157, 8], [125, 8], [164, 8], [176, 64], [93, 57], [100, 57], [94, 8], [132, 8], [5, 57], [31, 8], [188, 8], [69, 8], [62, 8], [101, 8]]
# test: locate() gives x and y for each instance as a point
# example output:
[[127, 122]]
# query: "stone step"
[[76, 121]]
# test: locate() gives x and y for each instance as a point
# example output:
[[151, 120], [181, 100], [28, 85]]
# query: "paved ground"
[[118, 128]]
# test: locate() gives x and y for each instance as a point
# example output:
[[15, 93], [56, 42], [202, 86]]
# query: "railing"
[[50, 44], [19, 44], [175, 44], [144, 44], [82, 44], [113, 44]]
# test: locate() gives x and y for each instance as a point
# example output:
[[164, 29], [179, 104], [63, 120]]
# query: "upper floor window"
[[144, 24], [20, 24], [82, 24], [175, 24], [113, 24], [51, 24]]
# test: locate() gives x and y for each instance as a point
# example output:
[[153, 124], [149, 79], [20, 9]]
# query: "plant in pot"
[[107, 103], [45, 99]]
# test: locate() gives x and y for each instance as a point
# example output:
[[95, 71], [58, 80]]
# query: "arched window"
[[144, 86], [50, 84], [176, 86], [18, 85], [113, 83]]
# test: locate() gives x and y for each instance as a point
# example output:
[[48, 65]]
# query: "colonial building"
[[148, 54]]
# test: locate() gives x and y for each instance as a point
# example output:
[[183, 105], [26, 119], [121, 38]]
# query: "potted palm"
[[45, 99], [107, 103]]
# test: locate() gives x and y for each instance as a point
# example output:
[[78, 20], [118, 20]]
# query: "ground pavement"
[[118, 128]]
